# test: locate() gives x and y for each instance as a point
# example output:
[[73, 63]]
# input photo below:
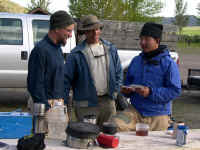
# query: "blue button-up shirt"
[[45, 71]]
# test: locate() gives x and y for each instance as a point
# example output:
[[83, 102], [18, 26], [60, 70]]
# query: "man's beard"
[[63, 42]]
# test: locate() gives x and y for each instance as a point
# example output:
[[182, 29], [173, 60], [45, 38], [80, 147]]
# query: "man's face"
[[93, 36], [64, 33], [148, 43]]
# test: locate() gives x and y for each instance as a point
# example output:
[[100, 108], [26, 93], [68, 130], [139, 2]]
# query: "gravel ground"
[[188, 61], [187, 107]]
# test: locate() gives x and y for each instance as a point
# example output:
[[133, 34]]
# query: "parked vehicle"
[[126, 55], [18, 35], [193, 79]]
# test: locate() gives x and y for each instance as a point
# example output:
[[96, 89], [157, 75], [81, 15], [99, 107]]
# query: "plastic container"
[[57, 122], [142, 129]]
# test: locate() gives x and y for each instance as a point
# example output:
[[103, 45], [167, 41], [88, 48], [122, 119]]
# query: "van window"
[[40, 29], [11, 32]]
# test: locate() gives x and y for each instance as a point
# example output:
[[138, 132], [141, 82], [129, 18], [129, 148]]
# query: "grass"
[[195, 30], [189, 48], [184, 48]]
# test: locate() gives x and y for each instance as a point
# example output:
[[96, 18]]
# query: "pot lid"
[[82, 130]]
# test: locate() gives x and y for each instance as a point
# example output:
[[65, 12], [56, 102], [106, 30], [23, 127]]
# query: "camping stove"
[[81, 135]]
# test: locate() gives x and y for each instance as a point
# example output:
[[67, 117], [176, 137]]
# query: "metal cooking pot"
[[79, 143]]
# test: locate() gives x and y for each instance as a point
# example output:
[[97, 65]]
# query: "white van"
[[18, 35]]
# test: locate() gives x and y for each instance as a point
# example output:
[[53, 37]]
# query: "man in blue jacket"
[[45, 81], [94, 72], [152, 82]]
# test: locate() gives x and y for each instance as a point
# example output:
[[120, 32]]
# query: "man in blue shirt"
[[152, 82], [45, 80]]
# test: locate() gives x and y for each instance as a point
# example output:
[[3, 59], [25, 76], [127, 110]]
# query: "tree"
[[198, 9], [127, 10], [181, 20], [102, 9], [43, 4], [142, 10]]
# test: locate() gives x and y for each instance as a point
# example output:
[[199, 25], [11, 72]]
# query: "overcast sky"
[[168, 10]]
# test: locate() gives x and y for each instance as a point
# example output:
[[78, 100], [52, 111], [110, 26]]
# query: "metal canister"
[[39, 123], [39, 109], [181, 137]]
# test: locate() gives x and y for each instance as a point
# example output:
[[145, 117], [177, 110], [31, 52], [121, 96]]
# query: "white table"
[[156, 140]]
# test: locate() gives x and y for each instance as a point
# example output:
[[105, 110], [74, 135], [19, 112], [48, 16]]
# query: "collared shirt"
[[98, 67], [46, 71]]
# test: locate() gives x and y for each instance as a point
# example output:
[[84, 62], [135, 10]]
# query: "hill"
[[8, 6], [193, 20]]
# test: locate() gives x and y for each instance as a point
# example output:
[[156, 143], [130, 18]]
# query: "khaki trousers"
[[126, 120], [104, 111]]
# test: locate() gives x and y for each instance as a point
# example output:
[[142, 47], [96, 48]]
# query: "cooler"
[[15, 124]]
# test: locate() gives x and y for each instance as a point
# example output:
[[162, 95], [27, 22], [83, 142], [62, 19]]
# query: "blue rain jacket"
[[162, 78]]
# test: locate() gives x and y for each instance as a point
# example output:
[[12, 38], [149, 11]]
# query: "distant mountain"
[[193, 20]]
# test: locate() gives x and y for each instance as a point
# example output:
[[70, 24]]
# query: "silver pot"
[[80, 143], [39, 109]]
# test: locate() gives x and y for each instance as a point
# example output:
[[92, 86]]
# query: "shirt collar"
[[51, 42]]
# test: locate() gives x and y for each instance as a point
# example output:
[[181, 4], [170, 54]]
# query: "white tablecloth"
[[156, 140]]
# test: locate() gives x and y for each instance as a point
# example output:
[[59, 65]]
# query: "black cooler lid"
[[82, 130]]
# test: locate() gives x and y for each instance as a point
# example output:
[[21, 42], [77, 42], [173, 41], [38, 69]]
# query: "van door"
[[13, 51], [38, 25]]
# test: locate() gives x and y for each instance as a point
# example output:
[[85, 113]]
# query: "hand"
[[145, 91], [126, 89]]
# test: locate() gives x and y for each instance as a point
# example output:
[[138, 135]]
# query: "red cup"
[[108, 141]]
